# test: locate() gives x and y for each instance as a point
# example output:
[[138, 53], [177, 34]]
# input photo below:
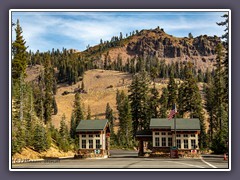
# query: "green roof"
[[91, 125], [181, 124]]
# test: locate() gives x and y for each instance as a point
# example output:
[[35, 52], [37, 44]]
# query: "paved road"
[[129, 159]]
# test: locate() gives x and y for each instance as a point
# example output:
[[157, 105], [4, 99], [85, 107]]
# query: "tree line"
[[33, 103]]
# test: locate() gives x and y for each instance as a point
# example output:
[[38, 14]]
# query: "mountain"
[[156, 43]]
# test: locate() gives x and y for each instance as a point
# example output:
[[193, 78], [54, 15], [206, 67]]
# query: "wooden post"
[[140, 151]]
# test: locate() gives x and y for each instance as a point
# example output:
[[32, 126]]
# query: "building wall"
[[87, 137], [187, 136]]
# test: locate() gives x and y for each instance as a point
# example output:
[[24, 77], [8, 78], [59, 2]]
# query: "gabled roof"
[[181, 124], [91, 125]]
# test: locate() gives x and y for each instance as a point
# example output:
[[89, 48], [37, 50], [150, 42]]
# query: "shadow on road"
[[119, 153]]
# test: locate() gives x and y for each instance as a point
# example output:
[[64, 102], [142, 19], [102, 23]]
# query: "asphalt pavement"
[[122, 159]]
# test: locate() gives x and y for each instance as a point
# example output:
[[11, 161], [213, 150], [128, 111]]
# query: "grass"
[[96, 83]]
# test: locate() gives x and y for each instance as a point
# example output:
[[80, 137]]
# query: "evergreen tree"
[[220, 108], [164, 103], [78, 113], [190, 35], [219, 84], [72, 127], [192, 97], [209, 105], [54, 105], [48, 80], [139, 102], [39, 142], [109, 116], [225, 36], [64, 134], [82, 86], [18, 136], [154, 103], [172, 91], [78, 116], [89, 113], [125, 123], [19, 63], [191, 102]]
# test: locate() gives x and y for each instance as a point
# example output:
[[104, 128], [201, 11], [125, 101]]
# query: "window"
[[185, 144], [185, 135], [84, 135], [157, 141], [192, 135], [163, 133], [156, 133], [163, 142], [178, 135], [193, 144], [179, 143], [90, 141], [169, 133], [169, 142], [97, 135], [98, 146], [90, 135], [83, 143]]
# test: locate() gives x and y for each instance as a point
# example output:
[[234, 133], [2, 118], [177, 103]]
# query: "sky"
[[46, 30]]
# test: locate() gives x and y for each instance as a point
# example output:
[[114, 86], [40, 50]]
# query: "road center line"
[[186, 164], [208, 163]]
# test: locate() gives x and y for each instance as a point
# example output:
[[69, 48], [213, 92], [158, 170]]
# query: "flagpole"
[[175, 140]]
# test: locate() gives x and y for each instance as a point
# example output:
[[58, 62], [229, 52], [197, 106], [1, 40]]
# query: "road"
[[128, 159]]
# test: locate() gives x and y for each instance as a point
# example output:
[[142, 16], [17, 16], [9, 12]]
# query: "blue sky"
[[46, 30]]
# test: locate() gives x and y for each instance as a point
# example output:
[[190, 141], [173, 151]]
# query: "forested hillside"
[[137, 77]]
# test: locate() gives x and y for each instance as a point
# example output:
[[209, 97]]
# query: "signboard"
[[97, 151], [174, 152]]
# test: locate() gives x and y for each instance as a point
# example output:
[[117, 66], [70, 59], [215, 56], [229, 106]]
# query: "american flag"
[[172, 112]]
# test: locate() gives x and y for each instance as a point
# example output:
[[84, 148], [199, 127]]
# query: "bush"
[[219, 145], [65, 93], [111, 86]]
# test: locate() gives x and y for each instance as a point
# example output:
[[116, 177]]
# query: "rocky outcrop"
[[159, 44]]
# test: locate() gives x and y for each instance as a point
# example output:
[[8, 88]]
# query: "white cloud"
[[47, 31]]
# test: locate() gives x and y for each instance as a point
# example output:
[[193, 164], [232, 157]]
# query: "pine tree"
[[18, 136], [191, 102], [78, 113], [19, 63], [225, 58], [220, 108], [172, 91], [125, 122], [219, 86], [154, 103], [72, 127], [190, 35], [64, 134], [82, 86], [209, 105], [164, 103], [109, 117], [54, 105], [39, 142], [139, 102], [48, 80], [89, 113], [192, 98], [78, 116]]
